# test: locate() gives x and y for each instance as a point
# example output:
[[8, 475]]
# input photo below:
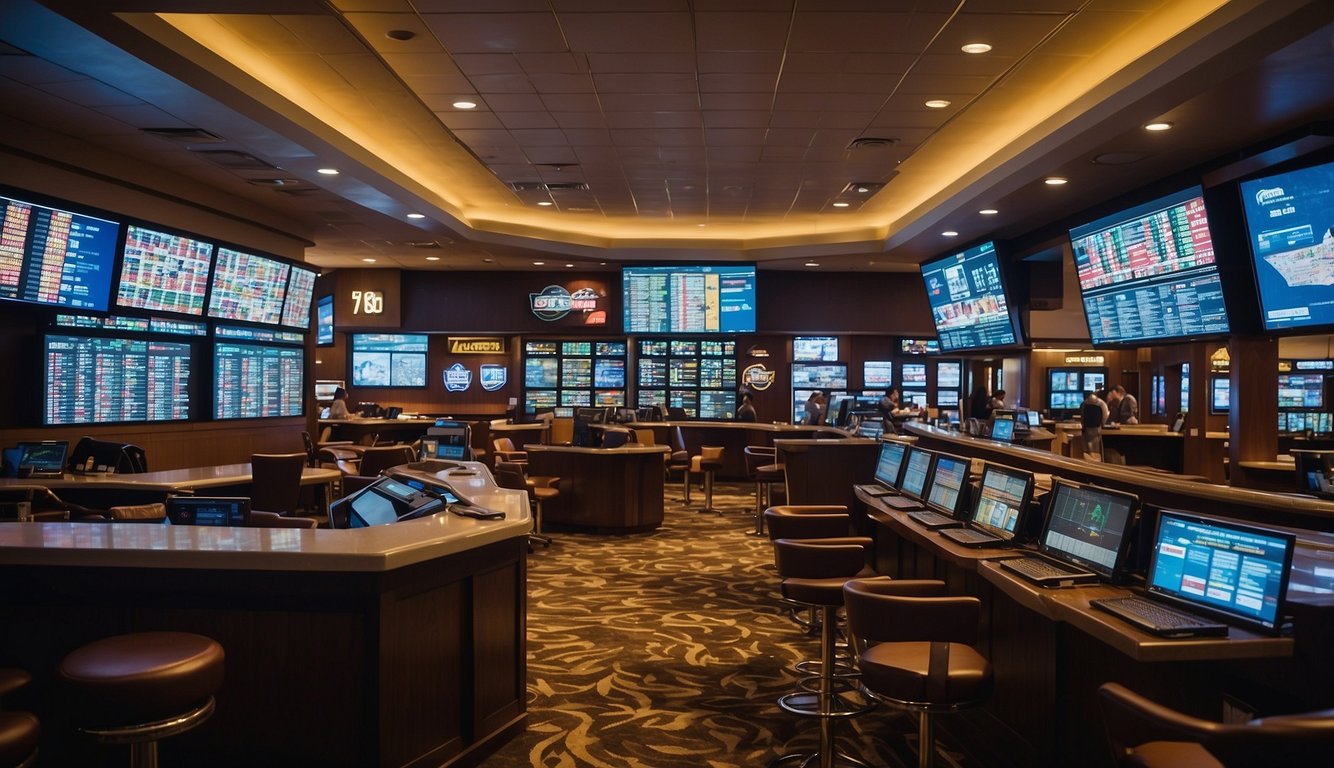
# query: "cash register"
[[407, 492]]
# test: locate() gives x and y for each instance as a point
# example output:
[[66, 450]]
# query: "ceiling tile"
[[812, 82], [629, 32], [518, 120], [508, 84], [476, 64], [621, 120], [34, 71], [739, 61], [588, 137], [645, 102], [748, 101], [752, 31], [562, 82], [736, 119], [499, 32], [550, 137], [641, 62], [645, 83], [572, 102], [451, 87], [90, 93], [824, 31], [480, 6], [736, 83], [326, 34], [546, 63], [465, 120]]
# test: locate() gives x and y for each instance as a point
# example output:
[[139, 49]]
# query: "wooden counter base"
[[603, 489]]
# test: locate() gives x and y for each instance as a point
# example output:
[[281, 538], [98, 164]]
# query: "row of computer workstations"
[[1199, 574]]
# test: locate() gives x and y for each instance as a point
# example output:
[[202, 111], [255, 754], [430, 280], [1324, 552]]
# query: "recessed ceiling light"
[[569, 265], [400, 34], [840, 205], [369, 260], [433, 258], [539, 263], [862, 190], [416, 215], [938, 103], [489, 261], [701, 225], [602, 263], [812, 264], [988, 211], [545, 203], [976, 48], [949, 233], [327, 171], [463, 104], [1054, 181], [1160, 125]]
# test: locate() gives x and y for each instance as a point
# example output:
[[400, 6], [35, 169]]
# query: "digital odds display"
[[968, 302]]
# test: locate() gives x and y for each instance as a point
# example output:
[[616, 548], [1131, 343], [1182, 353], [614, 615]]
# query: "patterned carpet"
[[670, 649]]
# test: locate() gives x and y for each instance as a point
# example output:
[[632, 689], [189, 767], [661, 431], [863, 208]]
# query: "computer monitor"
[[1088, 526], [93, 455], [42, 459], [1002, 500], [890, 464], [949, 483], [208, 510], [1002, 429], [1236, 572], [916, 473]]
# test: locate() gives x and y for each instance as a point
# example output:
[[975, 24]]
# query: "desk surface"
[[618, 451], [192, 478], [946, 549], [378, 548]]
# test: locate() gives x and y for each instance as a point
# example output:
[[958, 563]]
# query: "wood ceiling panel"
[[499, 32], [629, 32]]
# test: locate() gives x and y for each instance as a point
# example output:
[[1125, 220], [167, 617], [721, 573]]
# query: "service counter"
[[394, 645], [824, 471], [360, 430], [733, 437], [605, 489]]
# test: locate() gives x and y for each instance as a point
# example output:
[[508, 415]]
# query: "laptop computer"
[[44, 459], [1223, 572], [915, 480], [1084, 537], [208, 510], [947, 495], [998, 512], [1002, 430], [888, 467]]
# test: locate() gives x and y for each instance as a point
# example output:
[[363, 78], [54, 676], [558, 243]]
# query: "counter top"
[[379, 548], [619, 451], [190, 478]]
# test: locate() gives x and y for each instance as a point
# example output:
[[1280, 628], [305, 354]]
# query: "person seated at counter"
[[997, 401], [815, 408], [338, 408], [1122, 406], [979, 404], [746, 411]]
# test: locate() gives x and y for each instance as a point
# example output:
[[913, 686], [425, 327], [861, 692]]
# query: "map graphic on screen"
[[248, 287], [50, 256], [1148, 273], [1290, 218], [164, 272], [967, 297]]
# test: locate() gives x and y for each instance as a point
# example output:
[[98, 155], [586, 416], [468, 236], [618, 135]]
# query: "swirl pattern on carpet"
[[671, 649]]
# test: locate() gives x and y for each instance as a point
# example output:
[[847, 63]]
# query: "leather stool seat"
[[19, 734], [1171, 754], [821, 592], [12, 679], [142, 677], [904, 671]]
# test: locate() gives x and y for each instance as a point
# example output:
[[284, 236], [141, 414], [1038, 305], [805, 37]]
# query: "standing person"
[[979, 405], [1127, 407], [338, 408], [815, 408], [746, 411], [1093, 414], [997, 401]]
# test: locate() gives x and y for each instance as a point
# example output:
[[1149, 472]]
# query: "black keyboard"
[[902, 502], [875, 490], [932, 519], [1037, 569], [1158, 619], [970, 536]]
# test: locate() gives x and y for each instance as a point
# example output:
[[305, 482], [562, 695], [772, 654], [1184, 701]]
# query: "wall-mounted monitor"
[[1220, 394], [969, 306], [97, 380], [1290, 221], [817, 376], [1148, 273], [300, 290], [389, 359], [248, 287], [919, 346], [689, 298], [815, 348], [55, 257], [324, 321], [257, 381], [163, 272], [878, 374], [914, 375], [1301, 390]]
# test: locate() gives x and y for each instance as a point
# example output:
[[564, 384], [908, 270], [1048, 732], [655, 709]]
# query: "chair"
[[764, 470], [374, 461], [139, 513], [510, 475], [709, 461], [138, 688], [19, 731], [275, 484], [505, 451], [1146, 734], [259, 519], [916, 650], [644, 436], [616, 438], [679, 461]]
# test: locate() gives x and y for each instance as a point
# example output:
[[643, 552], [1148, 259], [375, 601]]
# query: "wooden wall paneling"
[[1252, 431], [177, 445], [498, 627]]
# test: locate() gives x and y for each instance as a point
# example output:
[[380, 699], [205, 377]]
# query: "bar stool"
[[917, 650], [20, 732], [709, 461], [814, 572], [763, 468], [827, 522], [138, 688]]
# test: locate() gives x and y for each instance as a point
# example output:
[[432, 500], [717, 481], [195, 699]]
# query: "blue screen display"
[[689, 299], [967, 298], [50, 256], [1290, 220]]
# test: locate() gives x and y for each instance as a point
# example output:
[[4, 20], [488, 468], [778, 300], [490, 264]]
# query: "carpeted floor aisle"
[[670, 649]]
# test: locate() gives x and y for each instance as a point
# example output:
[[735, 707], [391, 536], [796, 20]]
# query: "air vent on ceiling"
[[556, 166], [422, 244], [275, 183], [870, 142], [185, 135], [237, 161], [557, 186], [540, 186], [861, 189]]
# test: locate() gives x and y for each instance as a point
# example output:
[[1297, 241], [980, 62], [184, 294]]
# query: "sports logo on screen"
[[757, 377], [555, 302], [457, 378], [493, 376]]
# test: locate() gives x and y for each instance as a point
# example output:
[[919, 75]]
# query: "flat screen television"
[[969, 306], [324, 321], [100, 379], [689, 298], [1148, 273], [257, 381], [248, 287], [914, 374], [300, 290], [819, 376], [389, 359], [163, 272], [878, 374], [815, 348], [55, 257], [1220, 394], [1301, 390], [919, 346], [1290, 225]]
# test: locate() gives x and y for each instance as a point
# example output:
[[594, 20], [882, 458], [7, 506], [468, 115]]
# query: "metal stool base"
[[143, 738], [835, 704], [812, 760]]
